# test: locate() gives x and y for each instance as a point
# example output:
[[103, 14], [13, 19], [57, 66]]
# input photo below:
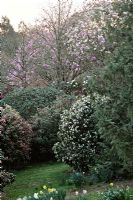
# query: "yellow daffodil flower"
[[51, 189]]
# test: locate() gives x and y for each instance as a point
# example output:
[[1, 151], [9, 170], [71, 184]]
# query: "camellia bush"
[[78, 140], [15, 138]]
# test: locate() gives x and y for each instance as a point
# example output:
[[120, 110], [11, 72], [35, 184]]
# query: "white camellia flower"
[[84, 191], [36, 196], [51, 198], [19, 199]]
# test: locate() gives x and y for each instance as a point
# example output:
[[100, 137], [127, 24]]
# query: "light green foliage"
[[78, 140]]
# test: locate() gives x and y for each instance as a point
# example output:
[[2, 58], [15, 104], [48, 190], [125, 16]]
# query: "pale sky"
[[26, 10]]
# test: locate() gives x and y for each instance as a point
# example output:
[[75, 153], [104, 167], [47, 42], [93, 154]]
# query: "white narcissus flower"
[[19, 199], [51, 198], [84, 191], [36, 196], [76, 193]]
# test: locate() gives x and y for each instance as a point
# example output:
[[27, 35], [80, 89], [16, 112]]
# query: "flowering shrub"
[[78, 139], [5, 177], [46, 194], [15, 138]]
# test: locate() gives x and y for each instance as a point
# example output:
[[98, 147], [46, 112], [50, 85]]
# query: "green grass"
[[31, 178]]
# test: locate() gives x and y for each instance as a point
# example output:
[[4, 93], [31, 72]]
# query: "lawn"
[[33, 177], [30, 180]]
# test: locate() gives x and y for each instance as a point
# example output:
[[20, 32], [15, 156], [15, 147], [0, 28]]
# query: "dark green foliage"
[[45, 126], [5, 177], [76, 178], [101, 173], [28, 101], [115, 82]]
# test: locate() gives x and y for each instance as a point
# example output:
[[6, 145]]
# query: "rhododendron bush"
[[15, 138], [78, 140]]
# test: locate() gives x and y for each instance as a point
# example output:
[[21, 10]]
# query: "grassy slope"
[[34, 177]]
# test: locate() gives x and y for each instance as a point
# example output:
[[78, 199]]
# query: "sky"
[[26, 10]]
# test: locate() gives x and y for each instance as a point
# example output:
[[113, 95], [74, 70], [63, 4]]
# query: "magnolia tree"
[[72, 43], [23, 66], [63, 44]]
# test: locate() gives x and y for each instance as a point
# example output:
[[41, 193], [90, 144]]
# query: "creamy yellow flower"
[[111, 184], [51, 189], [44, 187], [41, 192]]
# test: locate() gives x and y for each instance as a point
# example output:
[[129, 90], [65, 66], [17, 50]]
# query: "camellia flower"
[[84, 191], [36, 196], [111, 184], [76, 193]]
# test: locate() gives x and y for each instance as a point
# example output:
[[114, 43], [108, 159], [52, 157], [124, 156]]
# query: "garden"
[[66, 104]]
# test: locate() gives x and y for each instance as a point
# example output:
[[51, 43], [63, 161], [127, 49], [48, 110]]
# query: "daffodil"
[[111, 184], [44, 187], [51, 189], [41, 192], [36, 196]]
